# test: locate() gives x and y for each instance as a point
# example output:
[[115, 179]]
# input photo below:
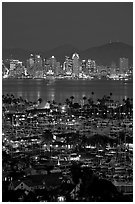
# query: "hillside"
[[105, 54]]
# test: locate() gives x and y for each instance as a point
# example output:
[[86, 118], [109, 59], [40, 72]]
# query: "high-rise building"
[[83, 66], [57, 70], [30, 65], [44, 62], [14, 64], [30, 61], [38, 61], [91, 66], [123, 65], [113, 68], [53, 62], [76, 64], [68, 66]]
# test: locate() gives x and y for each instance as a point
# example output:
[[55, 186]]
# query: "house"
[[23, 185], [35, 171], [32, 182], [126, 188]]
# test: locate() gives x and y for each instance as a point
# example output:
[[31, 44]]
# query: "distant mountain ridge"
[[105, 54], [108, 53]]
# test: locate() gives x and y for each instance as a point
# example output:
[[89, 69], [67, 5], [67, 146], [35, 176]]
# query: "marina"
[[51, 137]]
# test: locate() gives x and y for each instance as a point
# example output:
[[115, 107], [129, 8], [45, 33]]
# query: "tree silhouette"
[[90, 101], [76, 173], [92, 93], [40, 100], [84, 99], [67, 101], [110, 94], [72, 98], [47, 137]]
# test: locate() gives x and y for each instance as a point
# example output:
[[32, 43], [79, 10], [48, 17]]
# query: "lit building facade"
[[53, 63], [30, 61], [14, 66], [91, 66], [76, 64], [68, 66], [113, 69], [38, 61], [123, 65]]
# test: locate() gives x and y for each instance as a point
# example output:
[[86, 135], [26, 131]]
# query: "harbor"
[[43, 138]]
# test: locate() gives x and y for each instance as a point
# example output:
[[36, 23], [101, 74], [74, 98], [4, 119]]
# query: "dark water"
[[32, 89]]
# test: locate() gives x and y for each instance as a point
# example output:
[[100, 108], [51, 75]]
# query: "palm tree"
[[40, 100], [84, 99], [92, 93], [111, 97], [67, 101], [110, 94], [72, 98], [53, 102], [124, 101], [89, 101], [12, 96]]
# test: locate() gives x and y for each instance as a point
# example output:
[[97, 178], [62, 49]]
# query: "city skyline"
[[67, 102], [48, 25], [73, 68]]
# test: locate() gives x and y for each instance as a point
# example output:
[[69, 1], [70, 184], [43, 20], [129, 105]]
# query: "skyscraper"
[[68, 66], [91, 66], [76, 64], [113, 68], [30, 61], [123, 65], [53, 63], [38, 61], [83, 64], [57, 69]]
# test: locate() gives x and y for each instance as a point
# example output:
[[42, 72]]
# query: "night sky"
[[48, 25]]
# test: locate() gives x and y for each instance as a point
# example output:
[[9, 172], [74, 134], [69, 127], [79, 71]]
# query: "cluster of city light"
[[74, 67]]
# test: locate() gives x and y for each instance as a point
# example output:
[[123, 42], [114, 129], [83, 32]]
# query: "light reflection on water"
[[60, 90], [51, 94]]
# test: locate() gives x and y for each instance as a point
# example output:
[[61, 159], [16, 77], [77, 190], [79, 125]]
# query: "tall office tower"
[[68, 66], [53, 63], [38, 68], [30, 61], [84, 67], [38, 61], [83, 63], [91, 66], [44, 62], [30, 65], [44, 66], [76, 64], [57, 69], [88, 65], [98, 69], [12, 65], [113, 68], [123, 65]]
